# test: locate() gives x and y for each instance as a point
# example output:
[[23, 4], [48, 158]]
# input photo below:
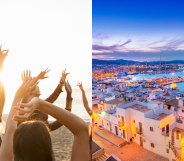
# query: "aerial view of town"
[[138, 81]]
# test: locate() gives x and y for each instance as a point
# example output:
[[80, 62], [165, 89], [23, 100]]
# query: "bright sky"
[[46, 34], [138, 29]]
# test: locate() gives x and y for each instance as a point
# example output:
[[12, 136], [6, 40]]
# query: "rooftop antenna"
[[160, 64], [165, 67]]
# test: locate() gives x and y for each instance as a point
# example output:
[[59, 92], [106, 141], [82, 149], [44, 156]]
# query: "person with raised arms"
[[31, 140]]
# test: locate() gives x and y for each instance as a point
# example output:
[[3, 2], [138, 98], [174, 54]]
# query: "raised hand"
[[80, 86], [64, 74], [26, 75], [3, 55], [25, 88], [67, 86], [42, 74], [25, 113]]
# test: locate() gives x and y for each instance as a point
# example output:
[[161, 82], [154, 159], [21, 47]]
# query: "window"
[[167, 150], [182, 110], [152, 145], [151, 128], [134, 121], [163, 129], [135, 135], [144, 140]]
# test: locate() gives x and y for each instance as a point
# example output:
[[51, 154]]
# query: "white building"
[[147, 124]]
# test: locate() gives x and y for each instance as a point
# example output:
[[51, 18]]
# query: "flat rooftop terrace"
[[161, 116], [138, 108]]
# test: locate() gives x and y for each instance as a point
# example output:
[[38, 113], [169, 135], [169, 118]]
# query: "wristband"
[[61, 82]]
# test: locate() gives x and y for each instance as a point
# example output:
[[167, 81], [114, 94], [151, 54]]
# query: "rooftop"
[[172, 102], [114, 101], [139, 108], [160, 117]]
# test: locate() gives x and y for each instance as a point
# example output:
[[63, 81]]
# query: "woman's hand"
[[42, 74], [68, 87], [64, 74], [80, 86], [3, 55], [25, 113], [25, 88], [26, 75]]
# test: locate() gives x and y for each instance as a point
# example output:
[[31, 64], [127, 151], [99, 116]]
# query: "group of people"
[[27, 136]]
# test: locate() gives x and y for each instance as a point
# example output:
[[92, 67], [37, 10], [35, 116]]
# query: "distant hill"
[[97, 61], [120, 61], [130, 62]]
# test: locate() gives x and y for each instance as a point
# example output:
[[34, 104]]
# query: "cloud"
[[100, 36], [173, 44], [110, 48], [142, 56]]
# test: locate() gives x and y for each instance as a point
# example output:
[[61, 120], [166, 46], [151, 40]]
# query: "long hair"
[[32, 142]]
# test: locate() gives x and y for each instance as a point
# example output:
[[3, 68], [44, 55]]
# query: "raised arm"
[[3, 54], [56, 124], [84, 99], [58, 89], [75, 124], [7, 143], [41, 75], [2, 98]]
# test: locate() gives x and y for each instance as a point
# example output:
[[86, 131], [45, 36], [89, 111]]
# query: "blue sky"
[[138, 30]]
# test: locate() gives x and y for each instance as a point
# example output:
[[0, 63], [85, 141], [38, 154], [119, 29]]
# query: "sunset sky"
[[46, 34], [138, 30]]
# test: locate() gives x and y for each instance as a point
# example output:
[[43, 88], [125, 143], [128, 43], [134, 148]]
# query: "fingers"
[[48, 70], [29, 73], [46, 77], [5, 52], [23, 105], [22, 76], [24, 82], [15, 118], [45, 70], [26, 73], [22, 110], [21, 118]]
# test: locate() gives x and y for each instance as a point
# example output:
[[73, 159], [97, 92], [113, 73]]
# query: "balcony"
[[139, 131]]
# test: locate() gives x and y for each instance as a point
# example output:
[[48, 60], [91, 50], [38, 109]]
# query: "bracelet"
[[61, 82]]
